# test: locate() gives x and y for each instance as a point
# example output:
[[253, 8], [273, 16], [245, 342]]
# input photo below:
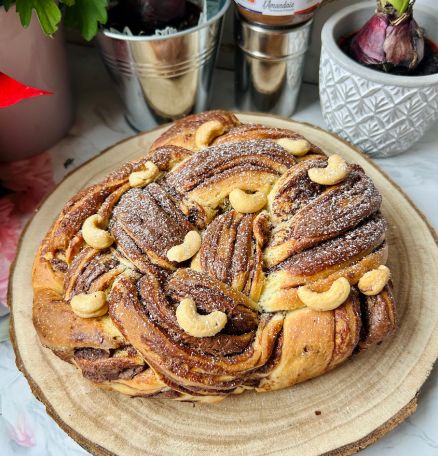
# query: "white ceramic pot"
[[27, 55], [381, 113]]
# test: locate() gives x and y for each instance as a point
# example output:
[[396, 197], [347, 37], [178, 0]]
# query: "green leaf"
[[86, 15], [47, 11], [24, 9], [400, 5]]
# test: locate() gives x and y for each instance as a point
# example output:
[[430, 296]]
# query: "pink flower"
[[10, 229], [31, 178], [22, 434]]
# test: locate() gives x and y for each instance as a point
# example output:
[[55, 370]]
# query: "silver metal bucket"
[[163, 78], [269, 66]]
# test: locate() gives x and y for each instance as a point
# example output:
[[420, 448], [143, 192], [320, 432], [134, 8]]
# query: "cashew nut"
[[247, 203], [199, 325], [373, 282], [94, 234], [89, 305], [207, 132], [185, 251], [297, 147], [335, 171], [327, 300], [144, 177]]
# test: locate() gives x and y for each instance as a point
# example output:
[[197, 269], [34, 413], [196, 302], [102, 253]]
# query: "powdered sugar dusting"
[[327, 225]]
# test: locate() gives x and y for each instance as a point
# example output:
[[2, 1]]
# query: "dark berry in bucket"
[[155, 12], [144, 17]]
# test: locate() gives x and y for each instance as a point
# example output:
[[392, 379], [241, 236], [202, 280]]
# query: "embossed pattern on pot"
[[381, 120], [381, 113]]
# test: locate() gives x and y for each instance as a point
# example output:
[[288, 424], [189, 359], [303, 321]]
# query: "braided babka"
[[231, 257]]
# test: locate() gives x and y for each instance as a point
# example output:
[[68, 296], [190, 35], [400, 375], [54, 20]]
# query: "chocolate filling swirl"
[[148, 220], [249, 266]]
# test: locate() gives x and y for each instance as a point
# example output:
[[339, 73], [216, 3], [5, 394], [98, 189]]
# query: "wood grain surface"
[[358, 402]]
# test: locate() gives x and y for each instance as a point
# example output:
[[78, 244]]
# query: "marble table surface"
[[25, 427]]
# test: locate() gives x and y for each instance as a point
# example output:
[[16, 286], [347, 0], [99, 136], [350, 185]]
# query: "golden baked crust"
[[252, 266]]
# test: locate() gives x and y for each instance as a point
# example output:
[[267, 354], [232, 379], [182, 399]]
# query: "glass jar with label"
[[277, 13]]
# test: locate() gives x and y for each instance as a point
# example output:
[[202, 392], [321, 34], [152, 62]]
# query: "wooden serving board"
[[358, 402]]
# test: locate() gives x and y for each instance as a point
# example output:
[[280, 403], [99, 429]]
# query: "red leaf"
[[12, 91]]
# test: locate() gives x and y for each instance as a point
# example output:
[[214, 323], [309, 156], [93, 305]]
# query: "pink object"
[[31, 179], [22, 434], [10, 229], [389, 41], [28, 182], [367, 45], [27, 55], [12, 91]]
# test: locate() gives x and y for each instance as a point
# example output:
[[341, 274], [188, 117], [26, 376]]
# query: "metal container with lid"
[[277, 13], [269, 66]]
